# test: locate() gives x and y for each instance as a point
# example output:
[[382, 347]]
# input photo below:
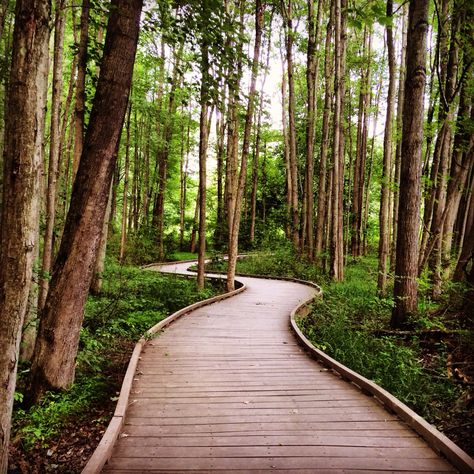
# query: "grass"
[[132, 301]]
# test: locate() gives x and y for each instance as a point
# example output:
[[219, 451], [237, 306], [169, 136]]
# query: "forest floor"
[[69, 450]]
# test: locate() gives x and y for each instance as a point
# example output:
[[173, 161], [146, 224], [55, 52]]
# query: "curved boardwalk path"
[[227, 389]]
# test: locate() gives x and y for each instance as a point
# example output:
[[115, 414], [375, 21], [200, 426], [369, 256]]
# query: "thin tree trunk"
[[406, 268], [384, 216], [293, 168], [337, 242], [312, 70], [163, 156], [98, 278], [322, 205], [256, 158], [398, 150], [80, 105], [361, 152], [193, 241], [54, 359], [234, 229], [203, 140], [22, 161], [126, 173], [54, 150], [184, 182]]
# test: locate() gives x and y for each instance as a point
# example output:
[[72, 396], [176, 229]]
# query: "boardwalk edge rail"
[[104, 449], [437, 440]]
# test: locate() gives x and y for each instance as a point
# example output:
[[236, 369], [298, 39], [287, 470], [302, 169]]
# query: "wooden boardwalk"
[[228, 389]]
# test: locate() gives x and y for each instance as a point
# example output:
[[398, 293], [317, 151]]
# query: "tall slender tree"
[[53, 364], [384, 215], [406, 267], [22, 160]]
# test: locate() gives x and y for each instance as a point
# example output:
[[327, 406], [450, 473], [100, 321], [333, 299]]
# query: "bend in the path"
[[227, 388]]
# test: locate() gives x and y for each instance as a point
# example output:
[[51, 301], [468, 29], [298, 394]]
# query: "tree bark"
[[22, 161], [80, 104], [398, 149], [312, 70], [293, 166], [384, 216], [58, 337], [163, 155], [203, 140], [54, 145], [406, 268], [337, 241], [126, 176], [234, 229], [322, 206]]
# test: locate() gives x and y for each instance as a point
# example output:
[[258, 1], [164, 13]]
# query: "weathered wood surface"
[[227, 388]]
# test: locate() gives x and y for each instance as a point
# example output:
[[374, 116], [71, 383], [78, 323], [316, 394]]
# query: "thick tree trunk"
[[322, 206], [384, 215], [467, 248], [54, 145], [406, 268], [80, 105], [58, 337], [22, 161], [234, 229]]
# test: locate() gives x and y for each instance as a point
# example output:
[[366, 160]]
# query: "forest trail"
[[227, 388]]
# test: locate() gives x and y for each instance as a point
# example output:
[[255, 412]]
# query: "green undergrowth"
[[347, 324], [280, 263], [131, 301]]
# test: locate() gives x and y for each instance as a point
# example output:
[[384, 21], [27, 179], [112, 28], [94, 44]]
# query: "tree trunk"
[[183, 184], [203, 140], [54, 145], [258, 137], [80, 105], [467, 248], [220, 133], [3, 14], [337, 241], [194, 230], [22, 162], [312, 69], [163, 155], [293, 167], [384, 216], [234, 229], [126, 173], [322, 206], [98, 278], [398, 150], [406, 268], [58, 337]]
